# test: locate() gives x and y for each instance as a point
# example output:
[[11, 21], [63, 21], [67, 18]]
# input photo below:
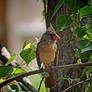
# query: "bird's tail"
[[50, 81]]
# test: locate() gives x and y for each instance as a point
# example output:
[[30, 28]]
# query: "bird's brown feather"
[[47, 54]]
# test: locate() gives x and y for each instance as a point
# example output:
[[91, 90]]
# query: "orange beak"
[[56, 37]]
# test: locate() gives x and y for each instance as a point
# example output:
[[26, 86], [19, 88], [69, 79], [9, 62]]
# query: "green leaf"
[[11, 59], [88, 25], [45, 74], [57, 7], [1, 80], [18, 71], [27, 46], [5, 71], [74, 5], [80, 32], [79, 61], [85, 11], [84, 86], [90, 59], [84, 55], [13, 88], [85, 45], [85, 37], [70, 80], [67, 78], [90, 30], [90, 88], [28, 53], [76, 79], [36, 79], [89, 2], [63, 22], [87, 49], [75, 26], [89, 35], [86, 70]]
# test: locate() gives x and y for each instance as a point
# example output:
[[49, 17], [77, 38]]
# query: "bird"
[[47, 54]]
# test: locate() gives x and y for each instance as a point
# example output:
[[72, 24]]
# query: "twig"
[[64, 67], [27, 84], [40, 84], [22, 87], [79, 83]]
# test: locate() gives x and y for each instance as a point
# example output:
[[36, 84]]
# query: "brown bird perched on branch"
[[47, 54]]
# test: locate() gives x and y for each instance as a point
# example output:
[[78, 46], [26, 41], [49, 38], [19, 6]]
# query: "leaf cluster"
[[81, 20]]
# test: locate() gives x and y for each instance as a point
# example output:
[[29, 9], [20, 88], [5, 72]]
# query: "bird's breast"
[[47, 53]]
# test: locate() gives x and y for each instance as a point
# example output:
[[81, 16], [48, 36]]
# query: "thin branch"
[[79, 83], [40, 84], [22, 87], [63, 67], [27, 84]]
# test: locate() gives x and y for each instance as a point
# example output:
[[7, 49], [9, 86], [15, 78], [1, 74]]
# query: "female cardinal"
[[47, 54]]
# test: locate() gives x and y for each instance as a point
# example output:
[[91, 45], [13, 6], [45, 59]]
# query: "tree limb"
[[63, 67]]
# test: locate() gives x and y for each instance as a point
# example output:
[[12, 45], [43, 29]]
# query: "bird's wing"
[[56, 57], [37, 56]]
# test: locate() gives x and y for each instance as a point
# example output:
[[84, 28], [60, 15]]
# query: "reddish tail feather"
[[50, 81]]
